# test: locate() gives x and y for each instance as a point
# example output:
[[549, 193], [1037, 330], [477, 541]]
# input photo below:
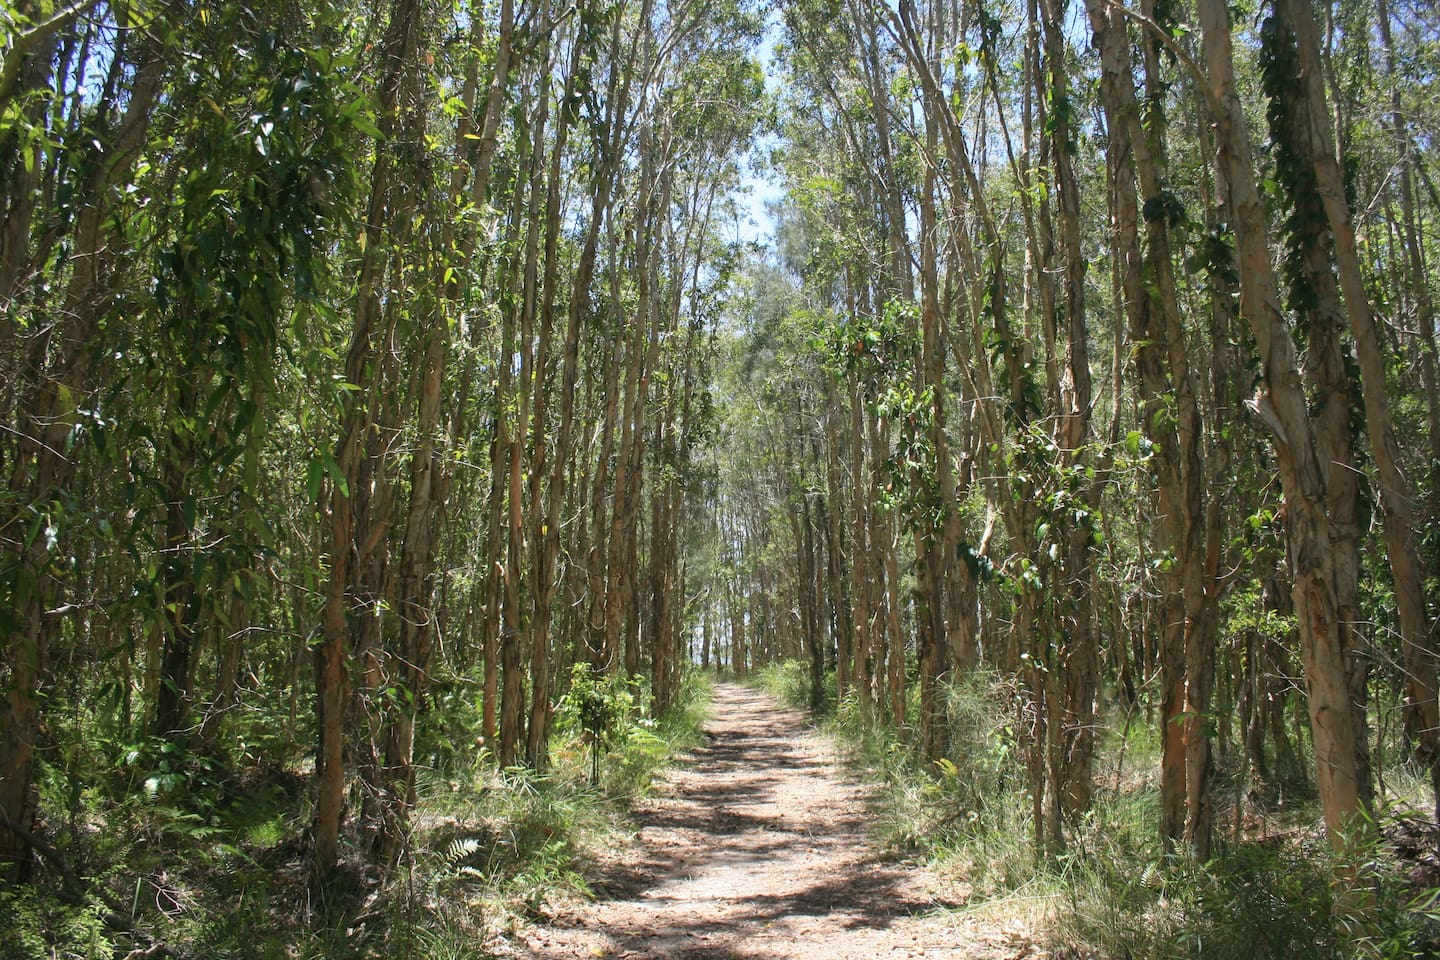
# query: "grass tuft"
[[789, 682]]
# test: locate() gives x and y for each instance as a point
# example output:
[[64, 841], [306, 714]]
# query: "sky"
[[761, 188], [758, 185]]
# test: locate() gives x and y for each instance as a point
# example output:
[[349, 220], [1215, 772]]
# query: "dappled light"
[[1018, 422]]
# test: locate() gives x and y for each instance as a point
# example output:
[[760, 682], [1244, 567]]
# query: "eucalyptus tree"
[[851, 75], [1281, 402], [847, 235], [1171, 418], [1071, 739], [57, 299]]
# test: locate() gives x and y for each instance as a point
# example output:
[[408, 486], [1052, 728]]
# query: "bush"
[[39, 927], [787, 681], [216, 864]]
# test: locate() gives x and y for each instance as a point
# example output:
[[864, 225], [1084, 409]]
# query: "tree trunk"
[[1079, 664], [1281, 402], [346, 553], [1315, 299], [1394, 494], [1171, 421], [41, 472]]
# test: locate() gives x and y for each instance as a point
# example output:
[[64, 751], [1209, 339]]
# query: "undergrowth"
[[789, 682], [219, 870], [1113, 893]]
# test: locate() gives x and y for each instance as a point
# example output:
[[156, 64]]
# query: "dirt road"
[[758, 849]]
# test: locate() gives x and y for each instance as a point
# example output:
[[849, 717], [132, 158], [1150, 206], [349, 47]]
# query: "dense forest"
[[396, 405]]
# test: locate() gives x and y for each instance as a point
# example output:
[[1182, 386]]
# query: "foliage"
[[40, 927], [1114, 892], [221, 866], [433, 341], [1258, 899], [787, 681], [601, 711], [968, 807]]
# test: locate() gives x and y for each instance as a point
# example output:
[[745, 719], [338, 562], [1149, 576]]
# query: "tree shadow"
[[725, 817]]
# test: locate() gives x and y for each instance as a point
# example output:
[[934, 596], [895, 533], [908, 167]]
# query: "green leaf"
[[314, 474], [336, 474]]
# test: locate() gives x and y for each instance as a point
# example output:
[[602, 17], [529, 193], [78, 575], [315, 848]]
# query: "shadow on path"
[[757, 848]]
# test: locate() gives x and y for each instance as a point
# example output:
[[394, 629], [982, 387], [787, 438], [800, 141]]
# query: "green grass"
[[1113, 893], [224, 875], [789, 682]]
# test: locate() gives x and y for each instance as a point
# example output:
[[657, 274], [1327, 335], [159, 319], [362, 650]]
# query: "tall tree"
[[349, 495], [1282, 404], [53, 360]]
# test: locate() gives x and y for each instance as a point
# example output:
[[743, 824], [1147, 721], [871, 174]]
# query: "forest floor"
[[757, 848]]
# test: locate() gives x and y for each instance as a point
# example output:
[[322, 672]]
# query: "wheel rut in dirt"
[[757, 848]]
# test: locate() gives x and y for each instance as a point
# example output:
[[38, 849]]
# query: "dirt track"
[[758, 848]]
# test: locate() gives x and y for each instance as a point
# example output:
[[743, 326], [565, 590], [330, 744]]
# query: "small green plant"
[[601, 709], [38, 927]]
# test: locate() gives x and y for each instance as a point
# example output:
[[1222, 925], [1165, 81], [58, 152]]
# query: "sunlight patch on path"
[[757, 850]]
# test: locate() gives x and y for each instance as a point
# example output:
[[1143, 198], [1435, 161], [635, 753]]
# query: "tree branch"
[[1168, 41], [22, 43]]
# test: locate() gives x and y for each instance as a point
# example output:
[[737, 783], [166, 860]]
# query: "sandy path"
[[758, 849]]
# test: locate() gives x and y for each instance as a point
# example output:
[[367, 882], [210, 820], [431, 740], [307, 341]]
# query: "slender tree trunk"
[[1172, 423], [227, 679], [428, 491], [1281, 402], [331, 673], [1396, 500], [41, 472], [544, 513], [931, 541], [1079, 663]]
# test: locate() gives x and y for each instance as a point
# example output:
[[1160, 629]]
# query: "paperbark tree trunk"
[[1078, 659], [1281, 403], [1397, 502]]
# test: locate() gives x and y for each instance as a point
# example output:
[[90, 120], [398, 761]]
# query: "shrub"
[[787, 681]]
